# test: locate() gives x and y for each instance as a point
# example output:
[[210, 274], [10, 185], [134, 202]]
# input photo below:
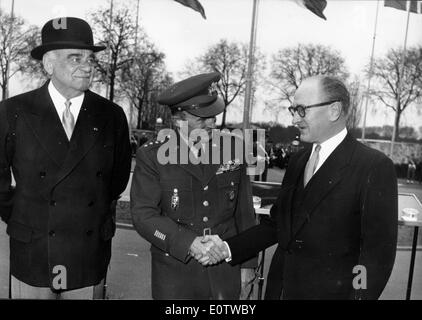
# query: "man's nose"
[[210, 122], [296, 118], [86, 65]]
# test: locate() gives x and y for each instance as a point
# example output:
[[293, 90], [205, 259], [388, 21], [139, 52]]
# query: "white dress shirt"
[[59, 102], [328, 146]]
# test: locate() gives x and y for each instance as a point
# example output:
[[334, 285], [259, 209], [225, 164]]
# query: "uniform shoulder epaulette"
[[155, 143]]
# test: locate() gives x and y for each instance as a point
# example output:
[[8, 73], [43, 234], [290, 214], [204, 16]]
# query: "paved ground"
[[129, 274]]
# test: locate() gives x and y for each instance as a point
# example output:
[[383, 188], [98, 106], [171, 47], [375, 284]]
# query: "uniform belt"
[[216, 229]]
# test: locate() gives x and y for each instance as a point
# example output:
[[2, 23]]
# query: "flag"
[[415, 5], [193, 4], [316, 6]]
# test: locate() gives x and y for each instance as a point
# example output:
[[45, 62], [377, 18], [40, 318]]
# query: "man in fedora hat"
[[175, 204], [70, 155]]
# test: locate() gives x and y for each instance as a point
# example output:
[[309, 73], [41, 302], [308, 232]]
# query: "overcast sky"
[[183, 34]]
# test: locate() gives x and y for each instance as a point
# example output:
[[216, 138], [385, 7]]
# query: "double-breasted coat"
[[172, 204], [61, 213], [337, 240]]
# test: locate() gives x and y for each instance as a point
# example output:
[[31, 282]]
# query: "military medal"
[[175, 200]]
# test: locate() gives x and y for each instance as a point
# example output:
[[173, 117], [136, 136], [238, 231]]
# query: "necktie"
[[311, 165], [68, 120]]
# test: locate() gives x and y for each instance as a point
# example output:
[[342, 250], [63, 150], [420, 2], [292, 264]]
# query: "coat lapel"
[[326, 178], [42, 117], [290, 184], [89, 126]]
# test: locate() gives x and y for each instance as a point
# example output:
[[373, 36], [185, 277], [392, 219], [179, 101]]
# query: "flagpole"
[[248, 92], [109, 57], [370, 73], [401, 71], [12, 16]]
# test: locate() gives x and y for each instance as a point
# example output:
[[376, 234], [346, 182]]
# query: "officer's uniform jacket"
[[172, 204], [60, 214]]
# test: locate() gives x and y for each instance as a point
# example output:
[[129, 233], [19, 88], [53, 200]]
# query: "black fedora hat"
[[65, 33]]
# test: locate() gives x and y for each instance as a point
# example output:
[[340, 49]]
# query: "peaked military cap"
[[196, 95]]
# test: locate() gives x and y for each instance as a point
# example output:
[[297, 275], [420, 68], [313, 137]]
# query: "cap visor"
[[210, 111]]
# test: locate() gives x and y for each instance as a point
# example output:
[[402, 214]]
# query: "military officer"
[[175, 203]]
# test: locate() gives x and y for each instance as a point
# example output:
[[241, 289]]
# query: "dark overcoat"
[[61, 213], [340, 241]]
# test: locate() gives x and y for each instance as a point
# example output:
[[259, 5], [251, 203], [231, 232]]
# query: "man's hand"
[[217, 250], [200, 249], [247, 276]]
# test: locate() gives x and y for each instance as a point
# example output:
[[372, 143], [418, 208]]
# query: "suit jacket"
[[60, 213], [348, 218], [172, 204]]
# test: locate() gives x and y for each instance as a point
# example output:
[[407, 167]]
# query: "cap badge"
[[212, 89]]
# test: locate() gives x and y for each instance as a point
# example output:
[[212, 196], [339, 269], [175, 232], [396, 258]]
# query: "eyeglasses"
[[301, 110]]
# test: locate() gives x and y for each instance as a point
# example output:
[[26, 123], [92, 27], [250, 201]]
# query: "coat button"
[[206, 188], [52, 233], [206, 203], [231, 195], [91, 204], [99, 173], [53, 203], [89, 233], [43, 174], [205, 219]]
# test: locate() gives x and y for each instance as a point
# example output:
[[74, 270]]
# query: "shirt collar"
[[58, 98], [333, 142]]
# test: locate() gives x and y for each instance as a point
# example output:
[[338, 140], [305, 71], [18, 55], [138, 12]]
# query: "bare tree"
[[230, 60], [118, 37], [143, 79], [291, 65], [356, 98], [16, 41], [390, 73]]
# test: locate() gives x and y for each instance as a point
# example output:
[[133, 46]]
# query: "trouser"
[[21, 290]]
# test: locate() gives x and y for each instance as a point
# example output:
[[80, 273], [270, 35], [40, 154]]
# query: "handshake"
[[209, 250]]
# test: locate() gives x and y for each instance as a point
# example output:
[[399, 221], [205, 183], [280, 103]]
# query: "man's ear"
[[335, 111], [47, 62]]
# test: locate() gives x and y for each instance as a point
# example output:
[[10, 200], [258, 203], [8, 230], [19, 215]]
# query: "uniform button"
[[43, 174], [205, 219], [52, 233], [206, 203], [53, 203], [91, 204], [89, 233], [99, 174], [232, 183], [205, 188]]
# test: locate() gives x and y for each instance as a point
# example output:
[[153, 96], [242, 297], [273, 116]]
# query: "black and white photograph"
[[227, 152]]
